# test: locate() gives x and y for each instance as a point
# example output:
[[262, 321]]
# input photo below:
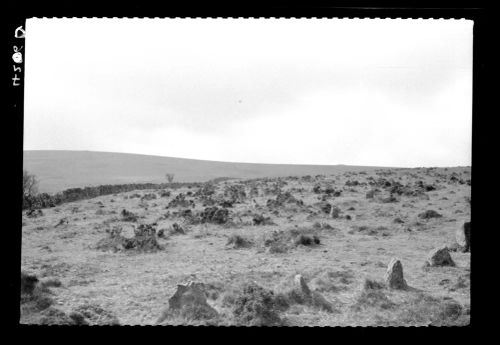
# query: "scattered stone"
[[165, 194], [238, 241], [149, 196], [259, 219], [371, 193], [394, 275], [284, 198], [429, 214], [226, 203], [440, 257], [316, 189], [300, 286], [34, 213], [334, 212], [128, 216], [302, 294], [390, 199], [161, 233], [177, 229], [180, 201], [62, 221], [325, 207]]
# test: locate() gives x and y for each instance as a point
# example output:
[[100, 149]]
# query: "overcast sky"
[[301, 91]]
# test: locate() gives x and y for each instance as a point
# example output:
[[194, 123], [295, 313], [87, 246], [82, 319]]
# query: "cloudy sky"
[[301, 91]]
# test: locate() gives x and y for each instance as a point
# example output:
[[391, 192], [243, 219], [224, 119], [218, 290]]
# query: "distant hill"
[[59, 170]]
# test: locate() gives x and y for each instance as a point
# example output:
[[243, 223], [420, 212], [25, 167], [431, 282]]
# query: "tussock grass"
[[237, 241]]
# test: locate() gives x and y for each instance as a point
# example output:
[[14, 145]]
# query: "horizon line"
[[233, 162]]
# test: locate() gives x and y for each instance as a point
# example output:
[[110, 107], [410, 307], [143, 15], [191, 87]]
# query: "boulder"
[[440, 257], [394, 275], [462, 236], [429, 214]]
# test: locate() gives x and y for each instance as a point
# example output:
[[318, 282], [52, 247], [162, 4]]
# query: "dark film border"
[[14, 127]]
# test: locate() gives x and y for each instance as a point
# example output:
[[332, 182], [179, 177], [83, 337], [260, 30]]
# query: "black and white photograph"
[[246, 171]]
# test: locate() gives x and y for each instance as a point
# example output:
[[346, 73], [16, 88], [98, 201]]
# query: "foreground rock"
[[189, 302], [462, 236], [394, 275], [439, 257]]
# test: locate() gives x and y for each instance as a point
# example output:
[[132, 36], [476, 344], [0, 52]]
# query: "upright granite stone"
[[190, 302], [462, 236], [394, 275]]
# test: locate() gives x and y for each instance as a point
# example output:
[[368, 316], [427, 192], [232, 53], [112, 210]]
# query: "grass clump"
[[254, 305], [282, 241], [37, 304], [238, 241], [306, 240], [93, 314], [424, 309], [372, 296]]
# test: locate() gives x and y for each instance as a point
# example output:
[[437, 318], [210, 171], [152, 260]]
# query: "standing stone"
[[440, 257], [334, 212], [394, 275], [191, 302], [301, 286], [462, 236], [28, 283], [307, 296]]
